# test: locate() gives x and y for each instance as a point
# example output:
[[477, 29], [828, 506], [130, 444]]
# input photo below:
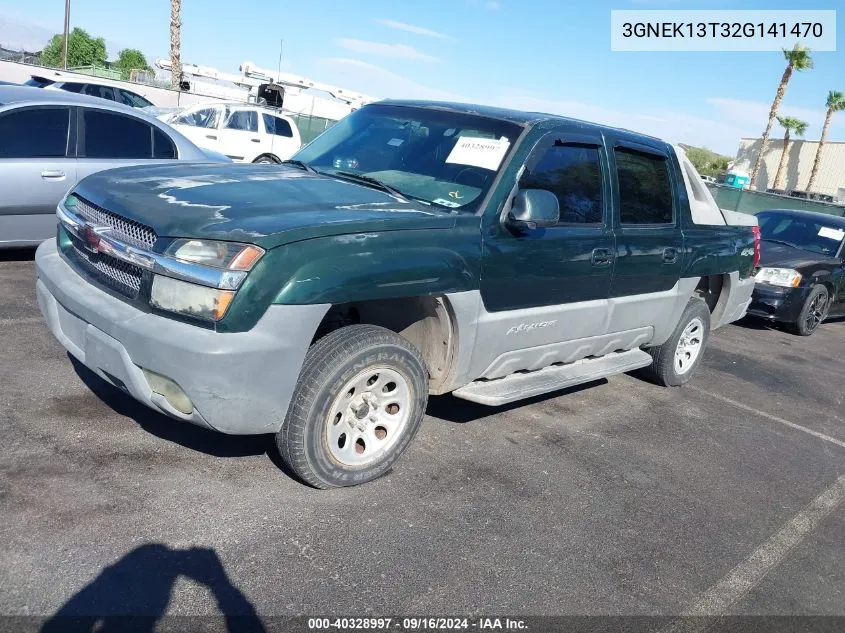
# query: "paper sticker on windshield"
[[395, 142], [446, 203], [831, 234], [486, 153]]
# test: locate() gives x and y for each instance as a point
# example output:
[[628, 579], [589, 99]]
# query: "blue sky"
[[551, 55]]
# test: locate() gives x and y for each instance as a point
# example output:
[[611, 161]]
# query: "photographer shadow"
[[133, 594]]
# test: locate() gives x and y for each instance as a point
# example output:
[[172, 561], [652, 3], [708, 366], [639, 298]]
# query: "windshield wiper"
[[300, 164], [372, 181], [768, 239]]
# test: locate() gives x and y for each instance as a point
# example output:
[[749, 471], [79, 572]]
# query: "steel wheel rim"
[[816, 314], [689, 346], [368, 417]]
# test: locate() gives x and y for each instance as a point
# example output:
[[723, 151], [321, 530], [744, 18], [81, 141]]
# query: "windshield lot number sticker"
[[832, 234], [486, 153]]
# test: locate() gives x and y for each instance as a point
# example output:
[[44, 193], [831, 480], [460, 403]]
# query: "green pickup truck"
[[414, 248]]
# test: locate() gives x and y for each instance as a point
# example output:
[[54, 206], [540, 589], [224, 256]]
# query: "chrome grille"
[[121, 276], [124, 230]]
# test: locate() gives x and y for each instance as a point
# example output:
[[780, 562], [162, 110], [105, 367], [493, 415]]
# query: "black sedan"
[[802, 276]]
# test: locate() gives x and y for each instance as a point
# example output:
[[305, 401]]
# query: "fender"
[[361, 267]]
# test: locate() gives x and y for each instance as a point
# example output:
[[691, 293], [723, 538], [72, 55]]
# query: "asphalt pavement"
[[615, 498]]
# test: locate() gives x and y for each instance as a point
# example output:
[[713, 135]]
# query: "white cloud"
[[376, 80], [412, 28], [401, 51], [755, 114]]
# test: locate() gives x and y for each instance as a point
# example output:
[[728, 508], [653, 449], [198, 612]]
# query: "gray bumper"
[[733, 301], [239, 383]]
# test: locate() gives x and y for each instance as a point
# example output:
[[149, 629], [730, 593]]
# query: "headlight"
[[230, 255], [190, 299], [785, 277]]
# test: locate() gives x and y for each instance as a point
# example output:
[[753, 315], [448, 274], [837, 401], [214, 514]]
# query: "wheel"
[[265, 159], [358, 403], [676, 359], [813, 313]]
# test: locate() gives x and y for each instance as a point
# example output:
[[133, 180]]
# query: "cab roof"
[[519, 117]]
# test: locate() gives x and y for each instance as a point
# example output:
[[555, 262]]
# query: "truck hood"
[[266, 205]]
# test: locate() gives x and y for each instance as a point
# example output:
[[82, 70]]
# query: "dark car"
[[802, 276]]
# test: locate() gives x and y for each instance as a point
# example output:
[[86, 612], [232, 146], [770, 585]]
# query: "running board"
[[527, 384]]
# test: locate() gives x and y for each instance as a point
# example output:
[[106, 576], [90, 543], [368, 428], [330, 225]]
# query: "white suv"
[[245, 133]]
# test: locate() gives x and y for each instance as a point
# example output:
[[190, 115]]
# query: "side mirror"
[[533, 209]]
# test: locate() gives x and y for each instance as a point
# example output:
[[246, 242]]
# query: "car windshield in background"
[[800, 232], [438, 157]]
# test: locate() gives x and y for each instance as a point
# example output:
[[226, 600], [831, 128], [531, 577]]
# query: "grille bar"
[[123, 229], [118, 275]]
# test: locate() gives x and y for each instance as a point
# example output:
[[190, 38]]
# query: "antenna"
[[281, 48]]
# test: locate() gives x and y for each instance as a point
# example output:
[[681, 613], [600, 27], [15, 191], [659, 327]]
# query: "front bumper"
[[777, 304], [239, 383]]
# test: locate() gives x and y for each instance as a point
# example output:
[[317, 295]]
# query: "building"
[[830, 179]]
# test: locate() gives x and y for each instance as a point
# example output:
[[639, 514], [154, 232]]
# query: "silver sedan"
[[50, 139]]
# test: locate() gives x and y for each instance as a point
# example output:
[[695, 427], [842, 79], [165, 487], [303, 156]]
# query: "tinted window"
[[645, 192], [109, 135], [573, 174], [277, 126], [163, 147], [104, 92], [72, 87], [38, 82], [34, 133], [131, 99], [206, 118], [246, 120]]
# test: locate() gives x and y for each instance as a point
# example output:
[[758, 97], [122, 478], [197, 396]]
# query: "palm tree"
[[797, 59], [835, 102], [789, 124], [175, 43]]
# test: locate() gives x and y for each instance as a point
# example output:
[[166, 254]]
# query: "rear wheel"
[[358, 403], [813, 313], [676, 359]]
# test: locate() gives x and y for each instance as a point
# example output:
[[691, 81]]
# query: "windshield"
[[434, 156], [801, 232]]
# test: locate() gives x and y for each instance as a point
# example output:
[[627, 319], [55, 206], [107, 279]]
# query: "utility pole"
[[67, 34]]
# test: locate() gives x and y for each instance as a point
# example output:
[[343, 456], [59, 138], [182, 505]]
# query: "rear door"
[[284, 141], [107, 139], [649, 240], [241, 138], [36, 170]]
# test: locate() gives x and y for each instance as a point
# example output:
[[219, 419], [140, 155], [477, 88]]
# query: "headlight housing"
[[218, 267], [784, 277], [230, 255]]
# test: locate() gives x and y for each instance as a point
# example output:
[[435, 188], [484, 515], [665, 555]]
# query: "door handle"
[[53, 175], [670, 255], [211, 136], [255, 140], [601, 256]]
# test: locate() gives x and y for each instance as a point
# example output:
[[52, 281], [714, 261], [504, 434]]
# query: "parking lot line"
[[792, 425], [749, 573]]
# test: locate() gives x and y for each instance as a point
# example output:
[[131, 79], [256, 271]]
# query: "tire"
[[813, 313], [670, 368], [266, 159], [358, 403]]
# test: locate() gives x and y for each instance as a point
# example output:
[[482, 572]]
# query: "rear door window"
[[645, 189], [111, 135], [34, 133], [163, 147]]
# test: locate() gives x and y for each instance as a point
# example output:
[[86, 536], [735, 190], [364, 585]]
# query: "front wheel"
[[358, 403], [813, 312], [676, 359]]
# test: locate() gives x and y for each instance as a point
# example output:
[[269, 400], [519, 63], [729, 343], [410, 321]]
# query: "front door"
[[240, 138], [35, 171], [545, 286], [649, 241]]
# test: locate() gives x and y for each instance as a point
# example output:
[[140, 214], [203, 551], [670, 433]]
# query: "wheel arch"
[[426, 321], [269, 155]]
